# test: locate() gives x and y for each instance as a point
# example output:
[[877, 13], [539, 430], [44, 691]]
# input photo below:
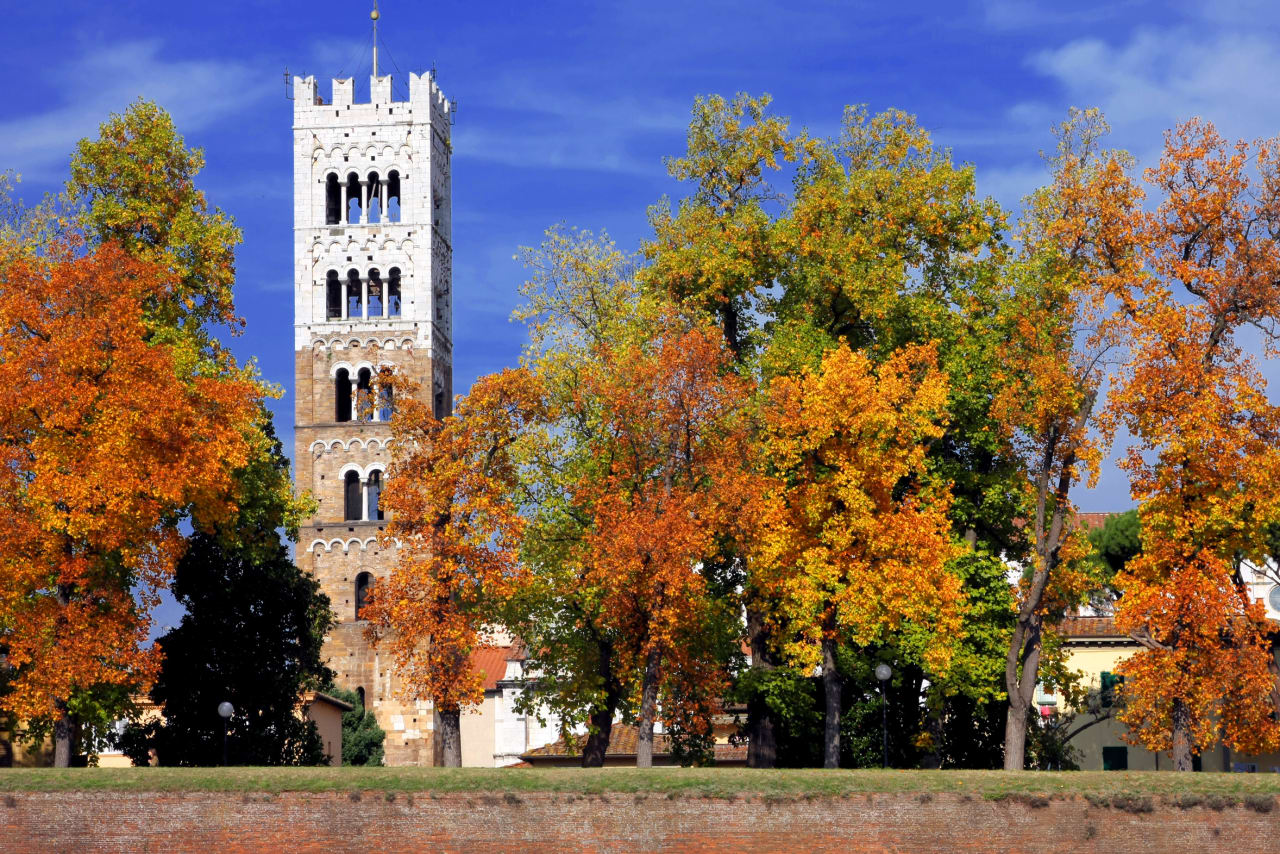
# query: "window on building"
[[393, 196], [354, 511], [353, 198], [375, 198], [1110, 682], [355, 295], [375, 496], [363, 582], [360, 694], [332, 200], [364, 399], [386, 402], [1115, 758], [393, 292], [342, 395], [332, 296], [375, 293]]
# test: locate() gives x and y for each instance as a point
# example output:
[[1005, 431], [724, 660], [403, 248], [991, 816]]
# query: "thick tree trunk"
[[450, 734], [62, 738], [648, 710], [601, 718], [1182, 760], [831, 686], [1015, 735], [762, 739]]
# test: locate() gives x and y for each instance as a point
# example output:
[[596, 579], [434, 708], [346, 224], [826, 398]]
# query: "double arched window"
[[362, 496], [355, 200], [354, 297], [358, 399]]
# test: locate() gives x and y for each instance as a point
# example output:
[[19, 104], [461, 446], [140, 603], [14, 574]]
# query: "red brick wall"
[[226, 823]]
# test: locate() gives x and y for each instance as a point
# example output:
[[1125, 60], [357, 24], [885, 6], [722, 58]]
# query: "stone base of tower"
[[338, 551]]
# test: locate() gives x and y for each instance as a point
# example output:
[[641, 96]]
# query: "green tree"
[[252, 634], [362, 738]]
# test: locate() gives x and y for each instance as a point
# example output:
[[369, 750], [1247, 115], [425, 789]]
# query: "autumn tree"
[[126, 416], [1078, 258], [107, 445], [1205, 462], [855, 538], [717, 253], [666, 476], [454, 523]]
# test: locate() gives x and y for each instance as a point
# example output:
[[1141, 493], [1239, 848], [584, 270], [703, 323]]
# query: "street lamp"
[[883, 672], [226, 710]]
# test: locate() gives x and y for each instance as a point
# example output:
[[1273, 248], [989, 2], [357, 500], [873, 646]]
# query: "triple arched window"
[[355, 200], [359, 400], [356, 297]]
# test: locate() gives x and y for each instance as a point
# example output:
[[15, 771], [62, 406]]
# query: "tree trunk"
[[1024, 649], [831, 685], [62, 738], [762, 738], [1182, 760], [601, 718], [648, 710], [450, 734]]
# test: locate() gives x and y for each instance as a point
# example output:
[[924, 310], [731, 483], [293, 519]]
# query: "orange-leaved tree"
[[1078, 262], [107, 441], [1205, 463], [450, 493], [667, 476], [853, 536]]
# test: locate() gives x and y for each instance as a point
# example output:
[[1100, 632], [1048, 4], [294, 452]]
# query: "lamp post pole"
[[225, 710], [883, 672]]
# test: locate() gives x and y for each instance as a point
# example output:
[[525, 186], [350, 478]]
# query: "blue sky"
[[565, 110]]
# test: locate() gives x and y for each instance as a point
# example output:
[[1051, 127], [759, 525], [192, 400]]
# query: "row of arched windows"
[[357, 400], [362, 497], [357, 298], [354, 200]]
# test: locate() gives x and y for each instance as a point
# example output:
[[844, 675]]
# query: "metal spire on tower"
[[374, 15]]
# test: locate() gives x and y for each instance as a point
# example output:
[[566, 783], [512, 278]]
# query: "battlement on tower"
[[311, 109]]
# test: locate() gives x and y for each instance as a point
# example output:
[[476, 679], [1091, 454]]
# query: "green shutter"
[[1115, 759]]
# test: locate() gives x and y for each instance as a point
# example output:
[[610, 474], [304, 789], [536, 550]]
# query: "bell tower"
[[372, 290]]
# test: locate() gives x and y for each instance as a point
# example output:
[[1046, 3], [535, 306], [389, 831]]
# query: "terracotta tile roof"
[[622, 742], [1089, 627], [492, 662]]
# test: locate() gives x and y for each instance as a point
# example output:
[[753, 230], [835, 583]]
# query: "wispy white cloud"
[[198, 93]]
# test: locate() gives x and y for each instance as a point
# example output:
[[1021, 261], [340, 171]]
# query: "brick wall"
[[548, 822]]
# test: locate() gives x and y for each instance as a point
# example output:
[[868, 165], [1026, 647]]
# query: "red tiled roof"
[[492, 662], [1089, 627], [622, 742]]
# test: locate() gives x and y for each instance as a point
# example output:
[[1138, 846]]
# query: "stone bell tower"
[[372, 289]]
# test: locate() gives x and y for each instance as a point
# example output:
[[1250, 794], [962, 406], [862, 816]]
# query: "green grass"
[[1134, 791]]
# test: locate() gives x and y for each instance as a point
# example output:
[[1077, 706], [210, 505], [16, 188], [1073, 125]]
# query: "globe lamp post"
[[226, 710], [883, 672]]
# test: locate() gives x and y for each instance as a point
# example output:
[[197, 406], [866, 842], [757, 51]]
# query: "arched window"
[[354, 512], [332, 200], [363, 582], [364, 398], [355, 295], [375, 293], [393, 196], [375, 496], [386, 403], [354, 198], [393, 292], [360, 695], [342, 395], [376, 203], [332, 296]]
